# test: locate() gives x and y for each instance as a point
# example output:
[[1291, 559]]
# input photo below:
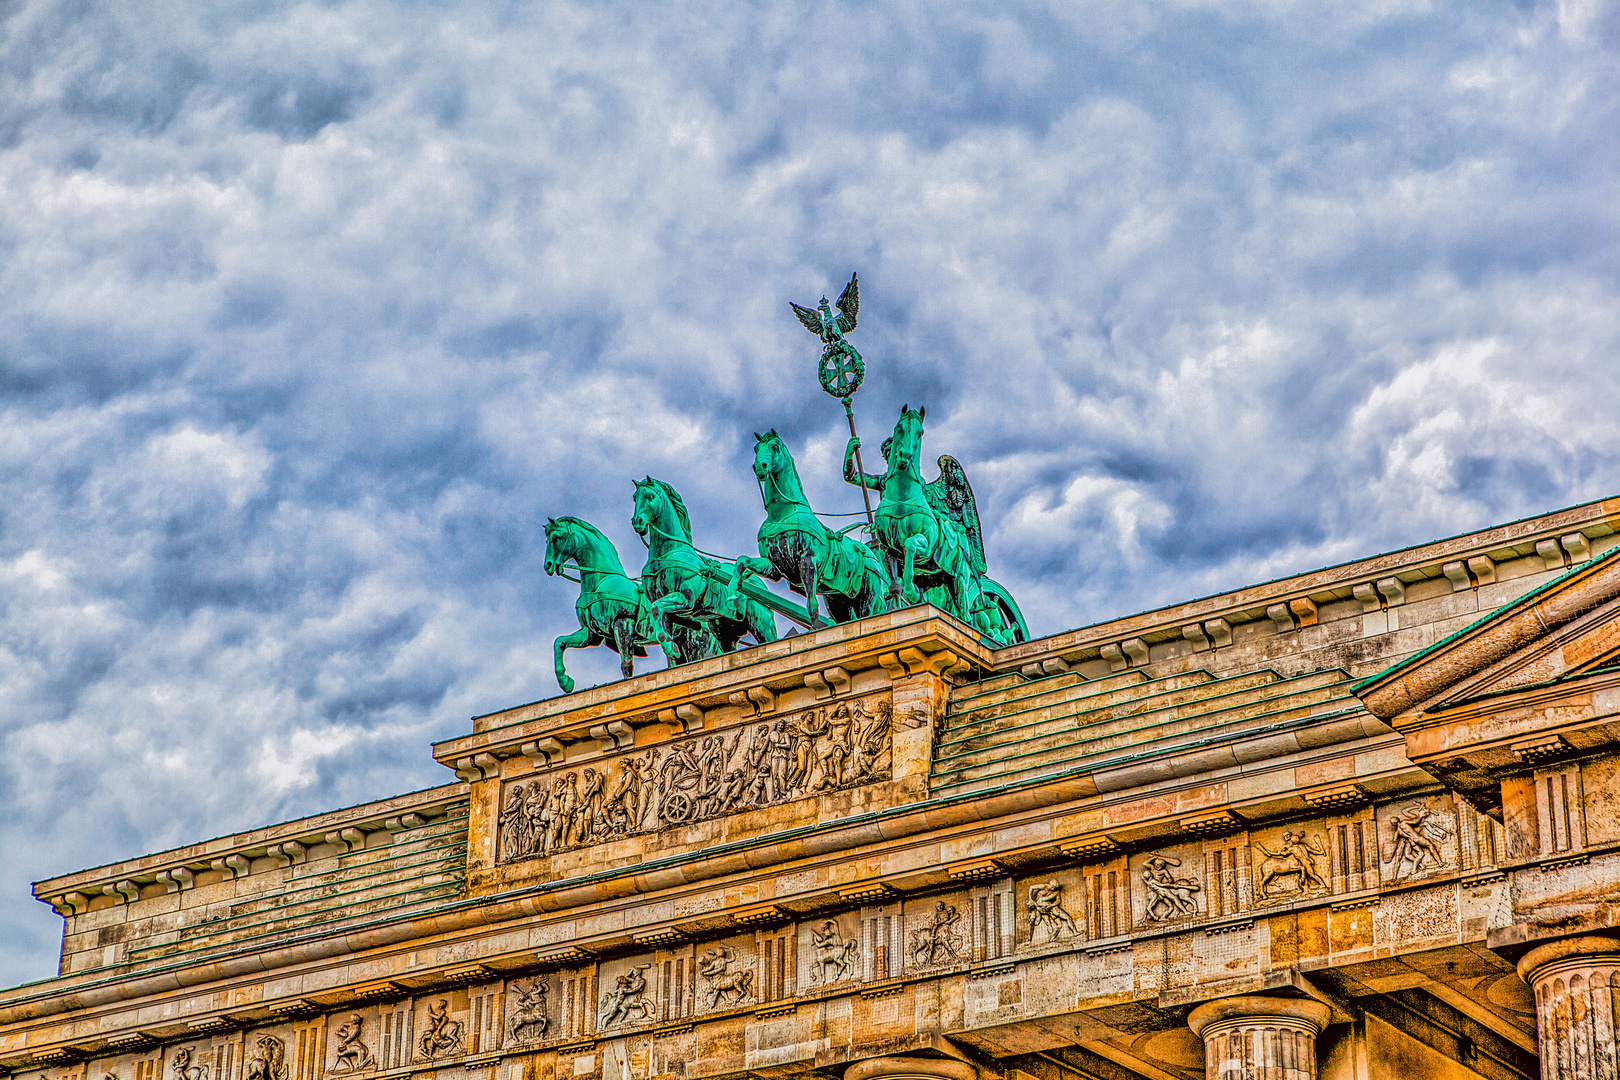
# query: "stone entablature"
[[883, 849]]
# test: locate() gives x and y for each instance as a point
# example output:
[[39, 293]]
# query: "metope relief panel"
[[834, 953], [772, 761], [727, 974], [1047, 918], [1416, 838], [1290, 863], [1167, 885], [935, 935]]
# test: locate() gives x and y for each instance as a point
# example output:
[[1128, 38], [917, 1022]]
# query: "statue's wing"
[[952, 495], [811, 319], [849, 302]]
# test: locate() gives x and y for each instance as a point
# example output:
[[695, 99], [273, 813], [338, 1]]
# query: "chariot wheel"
[[677, 807], [1004, 610]]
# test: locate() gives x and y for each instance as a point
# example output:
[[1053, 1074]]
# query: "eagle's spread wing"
[[811, 319], [951, 495], [849, 302]]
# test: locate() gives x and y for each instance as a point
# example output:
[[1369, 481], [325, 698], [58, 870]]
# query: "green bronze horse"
[[795, 545], [931, 533], [683, 585], [612, 609]]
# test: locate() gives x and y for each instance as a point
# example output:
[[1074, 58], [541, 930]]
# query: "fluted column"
[[1575, 981], [910, 1068], [1259, 1038]]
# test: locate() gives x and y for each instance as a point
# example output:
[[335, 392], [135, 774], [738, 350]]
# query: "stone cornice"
[[900, 643], [1400, 692], [1302, 592], [286, 843]]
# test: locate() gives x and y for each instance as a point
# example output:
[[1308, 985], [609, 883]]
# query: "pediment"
[[1563, 630]]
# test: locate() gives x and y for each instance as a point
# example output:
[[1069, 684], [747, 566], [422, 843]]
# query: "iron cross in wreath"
[[841, 369]]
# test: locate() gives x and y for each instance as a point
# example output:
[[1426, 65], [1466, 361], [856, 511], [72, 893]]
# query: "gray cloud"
[[310, 314]]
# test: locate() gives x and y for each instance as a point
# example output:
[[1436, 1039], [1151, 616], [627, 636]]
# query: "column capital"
[[1225, 1014], [1544, 960], [910, 1068]]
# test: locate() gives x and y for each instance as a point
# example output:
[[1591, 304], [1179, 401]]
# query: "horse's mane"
[[792, 466], [674, 498], [606, 545]]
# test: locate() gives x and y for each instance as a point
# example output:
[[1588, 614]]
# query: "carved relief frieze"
[[443, 1036], [267, 1060], [1290, 863], [937, 941], [694, 779], [1165, 885], [835, 955], [183, 1069], [625, 998], [1049, 920], [351, 1053], [1418, 837], [728, 978], [527, 1018]]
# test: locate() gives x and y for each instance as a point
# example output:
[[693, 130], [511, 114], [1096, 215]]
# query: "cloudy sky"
[[311, 314]]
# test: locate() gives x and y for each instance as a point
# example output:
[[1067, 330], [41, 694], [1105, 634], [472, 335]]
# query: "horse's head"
[[559, 545], [648, 505], [654, 500], [768, 453], [907, 439]]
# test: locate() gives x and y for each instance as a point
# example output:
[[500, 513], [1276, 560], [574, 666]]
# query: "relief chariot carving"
[[820, 750]]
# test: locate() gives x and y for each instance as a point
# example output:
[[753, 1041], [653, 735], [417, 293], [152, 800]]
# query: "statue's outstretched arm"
[[874, 482]]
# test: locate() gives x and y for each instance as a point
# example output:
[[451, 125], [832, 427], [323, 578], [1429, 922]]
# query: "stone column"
[[910, 1068], [1576, 982], [1259, 1038]]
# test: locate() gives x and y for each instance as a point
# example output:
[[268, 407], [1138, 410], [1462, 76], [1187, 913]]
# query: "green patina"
[[924, 545], [612, 607], [794, 544]]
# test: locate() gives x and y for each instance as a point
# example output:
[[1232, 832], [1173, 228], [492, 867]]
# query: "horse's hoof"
[[566, 683]]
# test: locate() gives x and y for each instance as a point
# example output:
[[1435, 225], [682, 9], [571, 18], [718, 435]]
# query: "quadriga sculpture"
[[815, 560], [612, 609], [683, 585], [931, 533]]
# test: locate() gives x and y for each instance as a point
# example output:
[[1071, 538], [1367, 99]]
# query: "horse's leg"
[[808, 573], [577, 640], [762, 621], [916, 549], [624, 638]]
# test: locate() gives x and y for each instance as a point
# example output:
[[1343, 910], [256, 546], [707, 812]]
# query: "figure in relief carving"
[[444, 1037], [732, 987], [529, 1020], [698, 778], [626, 998], [590, 806], [516, 841], [352, 1055], [1047, 915], [184, 1069], [871, 739], [269, 1060], [1169, 896], [834, 957], [938, 942], [624, 808], [1294, 868], [1416, 834]]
